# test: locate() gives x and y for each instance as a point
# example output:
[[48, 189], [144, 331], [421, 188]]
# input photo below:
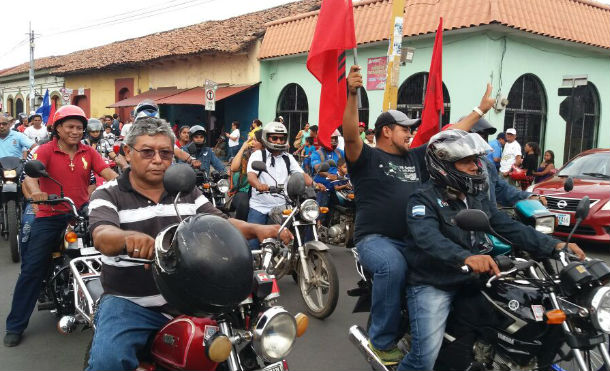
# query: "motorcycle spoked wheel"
[[13, 224], [593, 359], [321, 294]]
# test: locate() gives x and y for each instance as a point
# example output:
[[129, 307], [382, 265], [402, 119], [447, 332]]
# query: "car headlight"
[[530, 189], [600, 309], [546, 224], [310, 210], [606, 206], [274, 334], [10, 173], [223, 185]]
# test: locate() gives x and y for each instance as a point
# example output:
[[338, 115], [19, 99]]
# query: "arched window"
[[582, 134], [412, 93], [292, 106], [124, 111], [19, 105], [9, 106], [363, 111], [56, 98], [526, 110]]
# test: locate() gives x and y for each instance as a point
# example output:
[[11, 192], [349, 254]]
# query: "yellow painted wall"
[[102, 86], [188, 72]]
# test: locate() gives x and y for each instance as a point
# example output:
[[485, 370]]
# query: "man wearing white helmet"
[[280, 164]]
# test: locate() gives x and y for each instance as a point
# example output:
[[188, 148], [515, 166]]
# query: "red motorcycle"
[[253, 334]]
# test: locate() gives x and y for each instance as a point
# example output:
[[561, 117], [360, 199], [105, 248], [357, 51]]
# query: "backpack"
[[284, 156]]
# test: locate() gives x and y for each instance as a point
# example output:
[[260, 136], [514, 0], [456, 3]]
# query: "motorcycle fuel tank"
[[180, 345]]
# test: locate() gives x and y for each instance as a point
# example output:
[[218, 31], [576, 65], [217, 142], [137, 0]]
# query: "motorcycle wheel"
[[593, 359], [322, 293], [13, 230]]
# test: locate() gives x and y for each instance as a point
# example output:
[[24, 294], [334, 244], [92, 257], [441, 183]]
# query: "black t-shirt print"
[[383, 183]]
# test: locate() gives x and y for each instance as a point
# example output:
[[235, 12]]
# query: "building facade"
[[524, 67]]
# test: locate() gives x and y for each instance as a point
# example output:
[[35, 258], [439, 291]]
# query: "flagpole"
[[356, 64]]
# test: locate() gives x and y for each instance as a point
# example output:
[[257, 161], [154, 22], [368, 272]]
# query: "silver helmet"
[[94, 125], [275, 128]]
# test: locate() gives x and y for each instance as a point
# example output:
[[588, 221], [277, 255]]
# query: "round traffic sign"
[[209, 94]]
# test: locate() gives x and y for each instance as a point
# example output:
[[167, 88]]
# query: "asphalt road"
[[325, 346]]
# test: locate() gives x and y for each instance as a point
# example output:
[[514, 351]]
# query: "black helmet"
[[146, 108], [196, 129], [482, 127], [203, 265], [449, 146]]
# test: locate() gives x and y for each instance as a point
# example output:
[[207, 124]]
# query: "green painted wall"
[[470, 60]]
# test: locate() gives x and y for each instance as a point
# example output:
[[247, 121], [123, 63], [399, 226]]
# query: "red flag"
[[326, 61], [433, 103], [51, 113]]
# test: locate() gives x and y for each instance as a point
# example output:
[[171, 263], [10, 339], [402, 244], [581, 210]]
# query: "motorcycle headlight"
[[274, 334], [546, 224], [310, 210], [10, 173], [223, 185], [600, 309]]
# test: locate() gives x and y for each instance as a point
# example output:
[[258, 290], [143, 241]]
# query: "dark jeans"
[[241, 205], [256, 217], [233, 151], [34, 266]]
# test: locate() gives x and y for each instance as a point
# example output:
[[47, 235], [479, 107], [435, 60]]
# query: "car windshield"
[[594, 165]]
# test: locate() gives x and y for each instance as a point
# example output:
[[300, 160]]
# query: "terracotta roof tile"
[[226, 36], [39, 64], [581, 21]]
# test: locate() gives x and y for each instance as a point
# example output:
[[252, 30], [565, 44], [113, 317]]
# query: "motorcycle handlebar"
[[54, 199]]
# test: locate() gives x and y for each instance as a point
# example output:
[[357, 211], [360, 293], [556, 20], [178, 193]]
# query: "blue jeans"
[[233, 151], [256, 217], [381, 256], [27, 218], [122, 329], [34, 266], [428, 311]]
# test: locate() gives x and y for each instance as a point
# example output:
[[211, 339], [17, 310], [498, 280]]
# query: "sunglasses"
[[277, 138], [148, 153]]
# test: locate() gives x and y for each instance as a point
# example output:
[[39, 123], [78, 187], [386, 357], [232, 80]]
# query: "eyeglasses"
[[277, 138], [148, 153], [4, 123]]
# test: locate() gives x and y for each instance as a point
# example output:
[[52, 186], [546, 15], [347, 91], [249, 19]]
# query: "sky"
[[65, 26]]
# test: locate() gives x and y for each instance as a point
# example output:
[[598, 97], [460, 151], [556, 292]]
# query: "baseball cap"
[[511, 131], [390, 117], [501, 136]]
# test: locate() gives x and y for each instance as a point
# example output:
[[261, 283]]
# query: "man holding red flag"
[[326, 61], [384, 178], [433, 103]]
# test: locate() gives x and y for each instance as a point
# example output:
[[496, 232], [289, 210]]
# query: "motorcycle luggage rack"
[[84, 270]]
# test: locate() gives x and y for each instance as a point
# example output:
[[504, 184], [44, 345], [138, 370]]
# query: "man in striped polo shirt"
[[125, 216]]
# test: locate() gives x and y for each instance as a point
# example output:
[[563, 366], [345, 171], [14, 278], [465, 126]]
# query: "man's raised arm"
[[353, 142], [487, 102]]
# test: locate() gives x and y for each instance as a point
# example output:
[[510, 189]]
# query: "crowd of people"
[[409, 247]]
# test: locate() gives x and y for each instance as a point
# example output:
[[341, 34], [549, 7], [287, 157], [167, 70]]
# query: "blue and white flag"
[[45, 109]]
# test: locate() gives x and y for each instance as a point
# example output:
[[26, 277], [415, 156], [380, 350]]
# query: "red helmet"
[[69, 111], [518, 174], [362, 124]]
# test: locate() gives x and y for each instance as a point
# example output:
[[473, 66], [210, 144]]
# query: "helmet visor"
[[452, 149]]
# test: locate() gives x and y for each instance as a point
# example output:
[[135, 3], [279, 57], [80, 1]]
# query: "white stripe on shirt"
[[159, 210]]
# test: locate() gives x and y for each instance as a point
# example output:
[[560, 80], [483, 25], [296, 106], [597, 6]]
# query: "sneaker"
[[12, 339], [388, 357]]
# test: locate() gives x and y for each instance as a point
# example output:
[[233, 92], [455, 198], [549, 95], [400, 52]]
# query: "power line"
[[15, 47], [129, 18]]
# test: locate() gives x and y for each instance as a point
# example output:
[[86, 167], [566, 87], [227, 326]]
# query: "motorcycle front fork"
[[301, 250], [233, 361]]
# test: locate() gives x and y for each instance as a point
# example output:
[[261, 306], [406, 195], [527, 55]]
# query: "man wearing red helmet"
[[71, 162]]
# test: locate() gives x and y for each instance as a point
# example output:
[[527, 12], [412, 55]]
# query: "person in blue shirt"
[[13, 143], [325, 178], [203, 153], [496, 154], [306, 152]]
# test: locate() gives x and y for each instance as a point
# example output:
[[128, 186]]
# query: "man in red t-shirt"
[[71, 163]]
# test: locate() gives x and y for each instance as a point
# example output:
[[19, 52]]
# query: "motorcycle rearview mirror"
[[332, 163], [323, 167], [582, 209], [35, 169], [259, 166], [295, 185], [477, 221], [178, 179], [568, 185]]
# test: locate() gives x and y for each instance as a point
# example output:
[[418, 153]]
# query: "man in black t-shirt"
[[384, 177]]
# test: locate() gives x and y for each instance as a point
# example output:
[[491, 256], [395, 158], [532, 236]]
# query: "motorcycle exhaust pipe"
[[66, 325], [359, 338]]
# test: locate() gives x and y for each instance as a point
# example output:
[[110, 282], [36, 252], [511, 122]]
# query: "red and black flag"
[[326, 61]]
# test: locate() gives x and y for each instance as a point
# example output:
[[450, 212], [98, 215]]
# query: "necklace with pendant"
[[71, 165]]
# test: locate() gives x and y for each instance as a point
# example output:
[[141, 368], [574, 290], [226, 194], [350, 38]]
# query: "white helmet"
[[275, 128]]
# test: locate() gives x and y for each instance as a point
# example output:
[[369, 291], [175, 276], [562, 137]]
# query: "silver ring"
[[136, 250]]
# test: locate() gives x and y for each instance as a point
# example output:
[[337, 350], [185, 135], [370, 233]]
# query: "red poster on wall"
[[376, 73]]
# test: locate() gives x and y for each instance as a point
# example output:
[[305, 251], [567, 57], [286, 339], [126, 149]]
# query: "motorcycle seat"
[[94, 286]]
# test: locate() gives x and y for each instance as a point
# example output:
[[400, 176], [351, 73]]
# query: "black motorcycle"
[[11, 203], [214, 187], [338, 229], [524, 319], [57, 291]]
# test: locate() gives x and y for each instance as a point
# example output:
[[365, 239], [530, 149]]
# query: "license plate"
[[563, 219], [278, 366]]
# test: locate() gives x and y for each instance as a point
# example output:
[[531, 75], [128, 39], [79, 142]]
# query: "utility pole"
[[390, 95], [32, 100]]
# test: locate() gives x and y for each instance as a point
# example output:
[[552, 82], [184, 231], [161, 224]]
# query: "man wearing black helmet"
[[384, 177], [436, 248], [125, 216], [202, 153]]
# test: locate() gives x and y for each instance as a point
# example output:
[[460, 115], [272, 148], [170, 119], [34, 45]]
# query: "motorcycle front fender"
[[315, 245], [9, 191]]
